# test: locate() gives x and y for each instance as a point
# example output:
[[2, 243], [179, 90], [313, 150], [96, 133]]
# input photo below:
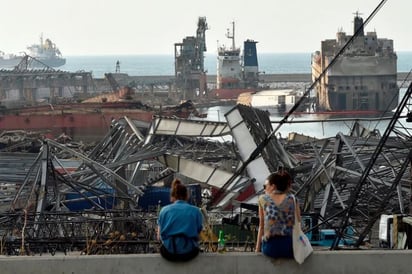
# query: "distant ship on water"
[[46, 53], [236, 74]]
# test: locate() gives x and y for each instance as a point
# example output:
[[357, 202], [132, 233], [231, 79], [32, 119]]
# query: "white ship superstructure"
[[229, 69]]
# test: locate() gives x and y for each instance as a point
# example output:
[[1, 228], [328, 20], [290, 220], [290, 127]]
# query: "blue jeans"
[[278, 247]]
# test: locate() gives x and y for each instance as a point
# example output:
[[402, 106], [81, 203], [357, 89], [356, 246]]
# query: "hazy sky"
[[99, 27]]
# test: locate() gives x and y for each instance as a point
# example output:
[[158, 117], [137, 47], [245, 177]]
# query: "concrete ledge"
[[342, 262]]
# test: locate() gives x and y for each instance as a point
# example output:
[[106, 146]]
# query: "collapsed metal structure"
[[109, 178], [346, 180], [27, 84]]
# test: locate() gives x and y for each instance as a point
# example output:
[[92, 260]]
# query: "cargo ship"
[[47, 53], [363, 78], [235, 74], [44, 54]]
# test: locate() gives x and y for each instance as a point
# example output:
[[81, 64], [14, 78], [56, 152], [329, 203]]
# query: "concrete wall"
[[330, 262]]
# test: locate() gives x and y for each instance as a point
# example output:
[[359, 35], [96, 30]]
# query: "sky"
[[134, 27]]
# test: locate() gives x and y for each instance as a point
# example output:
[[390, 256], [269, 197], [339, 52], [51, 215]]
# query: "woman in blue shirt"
[[179, 225]]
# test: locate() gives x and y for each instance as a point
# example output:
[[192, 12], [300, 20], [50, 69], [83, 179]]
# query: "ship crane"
[[113, 83], [119, 92], [201, 42], [232, 35]]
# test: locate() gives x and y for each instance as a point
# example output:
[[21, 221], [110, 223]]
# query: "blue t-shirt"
[[180, 222]]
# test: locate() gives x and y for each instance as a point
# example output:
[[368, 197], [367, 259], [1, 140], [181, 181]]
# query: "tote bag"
[[301, 244]]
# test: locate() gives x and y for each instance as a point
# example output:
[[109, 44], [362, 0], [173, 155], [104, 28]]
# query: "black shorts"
[[178, 257]]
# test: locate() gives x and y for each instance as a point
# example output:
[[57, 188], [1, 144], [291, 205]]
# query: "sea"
[[314, 125], [146, 65]]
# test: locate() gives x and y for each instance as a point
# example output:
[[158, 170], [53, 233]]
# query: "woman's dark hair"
[[179, 190], [281, 179]]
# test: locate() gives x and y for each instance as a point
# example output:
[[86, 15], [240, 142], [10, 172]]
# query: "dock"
[[331, 262], [265, 78]]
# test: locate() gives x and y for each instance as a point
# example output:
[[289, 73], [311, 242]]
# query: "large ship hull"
[[377, 83], [88, 121], [363, 78]]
